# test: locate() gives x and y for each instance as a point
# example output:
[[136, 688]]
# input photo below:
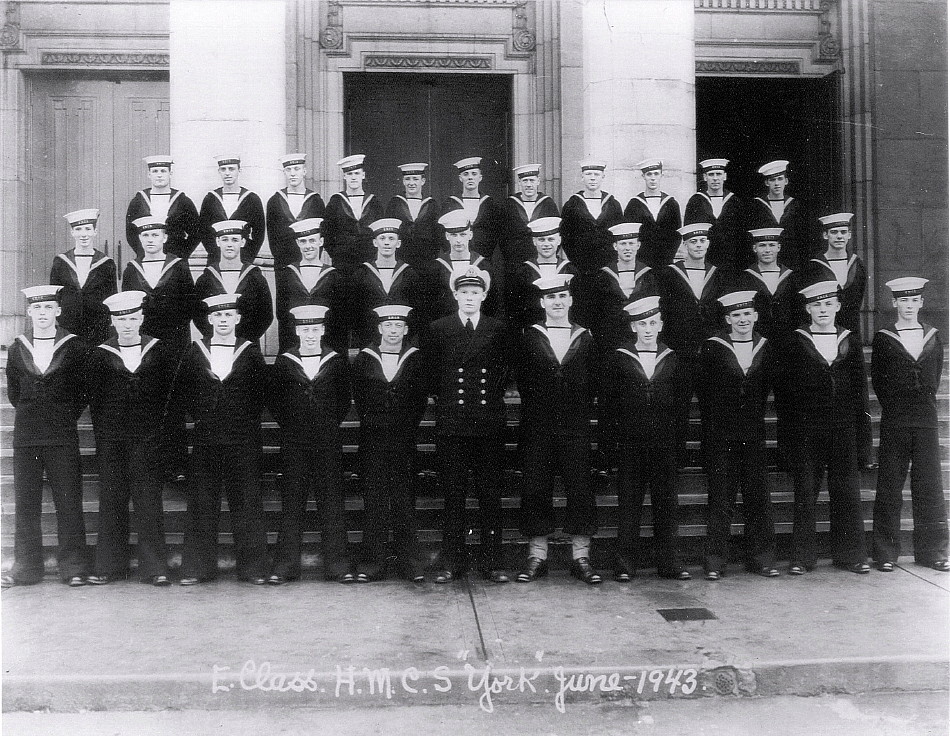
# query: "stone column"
[[639, 91], [228, 95], [15, 271]]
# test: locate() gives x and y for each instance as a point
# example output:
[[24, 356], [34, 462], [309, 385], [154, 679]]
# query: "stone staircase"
[[429, 504]]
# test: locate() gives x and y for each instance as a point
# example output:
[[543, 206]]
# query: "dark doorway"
[[435, 118], [754, 121]]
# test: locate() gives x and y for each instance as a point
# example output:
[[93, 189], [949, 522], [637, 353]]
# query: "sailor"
[[45, 385], [658, 214], [390, 395], [348, 238], [690, 289], [639, 408], [466, 362], [231, 201], [310, 281], [586, 219], [726, 215], [736, 373], [626, 278], [521, 209], [779, 210], [228, 274], [419, 231], [172, 206], [556, 379], [384, 280], [824, 372], [454, 262], [483, 212], [129, 382], [87, 276], [906, 367], [309, 396], [293, 203], [221, 386], [524, 307]]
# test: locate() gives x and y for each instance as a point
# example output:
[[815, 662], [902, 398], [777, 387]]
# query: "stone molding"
[[407, 61], [777, 6], [92, 58], [10, 33], [748, 66]]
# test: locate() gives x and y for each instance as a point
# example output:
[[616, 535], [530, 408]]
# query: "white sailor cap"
[[293, 159], [149, 222], [527, 170], [737, 300], [43, 293], [625, 231], [228, 159], [385, 225], [82, 217], [455, 221], [694, 230], [474, 276], [839, 219], [473, 162], [351, 163], [309, 314], [906, 286], [819, 290], [163, 160], [713, 164], [307, 226], [773, 168], [553, 284], [229, 227], [220, 302], [416, 168], [389, 312], [642, 308], [124, 302], [544, 226], [592, 164], [766, 234], [649, 164]]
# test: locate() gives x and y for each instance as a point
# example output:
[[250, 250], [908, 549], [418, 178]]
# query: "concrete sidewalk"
[[227, 645]]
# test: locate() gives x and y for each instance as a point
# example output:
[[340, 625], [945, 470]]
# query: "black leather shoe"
[[98, 580], [346, 578], [767, 572], [76, 581], [444, 576], [189, 581], [7, 581], [496, 576], [585, 572], [276, 580], [160, 581], [940, 565], [859, 568], [885, 566], [676, 573], [713, 575], [257, 580], [534, 569]]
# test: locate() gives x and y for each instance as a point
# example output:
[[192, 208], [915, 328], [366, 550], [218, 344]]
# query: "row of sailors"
[[503, 226], [688, 286], [132, 380]]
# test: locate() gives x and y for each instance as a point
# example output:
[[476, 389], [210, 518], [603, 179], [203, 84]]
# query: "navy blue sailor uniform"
[[372, 286], [488, 231], [254, 303], [83, 313], [790, 215], [309, 407], [348, 237], [247, 207], [587, 240], [777, 301], [557, 398], [907, 389], [825, 409], [606, 294], [660, 221], [524, 308], [47, 403], [128, 407], [170, 302], [729, 245], [182, 223], [734, 385], [293, 290], [467, 370], [225, 457], [420, 233], [638, 408], [280, 214], [519, 246], [390, 398]]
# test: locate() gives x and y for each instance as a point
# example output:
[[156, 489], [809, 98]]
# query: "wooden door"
[[436, 118], [87, 138]]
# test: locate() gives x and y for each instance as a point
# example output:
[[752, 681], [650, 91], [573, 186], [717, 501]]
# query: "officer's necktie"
[[469, 327]]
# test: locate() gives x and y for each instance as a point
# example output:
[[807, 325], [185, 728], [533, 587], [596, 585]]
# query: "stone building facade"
[[853, 92]]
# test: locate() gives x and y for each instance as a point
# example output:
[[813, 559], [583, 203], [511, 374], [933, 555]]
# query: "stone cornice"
[[412, 61], [814, 7], [157, 60], [749, 66]]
